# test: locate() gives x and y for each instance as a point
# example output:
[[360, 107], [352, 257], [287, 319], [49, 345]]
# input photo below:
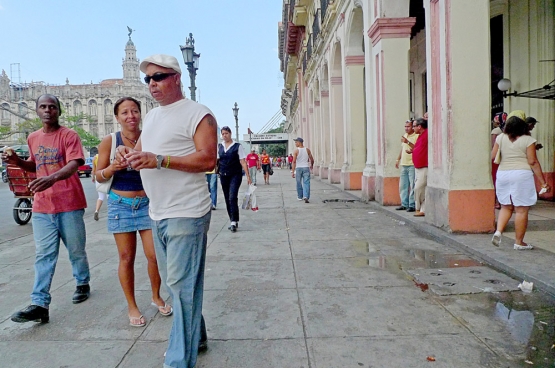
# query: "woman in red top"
[[266, 166]]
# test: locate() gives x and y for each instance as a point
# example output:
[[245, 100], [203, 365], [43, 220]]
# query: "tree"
[[87, 139], [27, 126], [276, 149]]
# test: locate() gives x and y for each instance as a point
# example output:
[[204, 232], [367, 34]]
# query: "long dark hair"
[[122, 100], [516, 127]]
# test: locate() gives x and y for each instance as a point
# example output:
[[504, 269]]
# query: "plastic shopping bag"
[[247, 202]]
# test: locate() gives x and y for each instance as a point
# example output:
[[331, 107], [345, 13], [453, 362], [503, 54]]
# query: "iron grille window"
[[324, 7], [309, 47], [316, 26], [293, 101]]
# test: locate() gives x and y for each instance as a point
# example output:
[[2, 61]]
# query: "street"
[[9, 230], [332, 283]]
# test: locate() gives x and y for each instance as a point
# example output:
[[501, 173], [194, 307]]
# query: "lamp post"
[[236, 114], [191, 59]]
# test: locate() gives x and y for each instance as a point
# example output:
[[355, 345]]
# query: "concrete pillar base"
[[334, 176], [316, 170], [351, 180], [368, 188], [461, 211], [323, 172], [387, 191]]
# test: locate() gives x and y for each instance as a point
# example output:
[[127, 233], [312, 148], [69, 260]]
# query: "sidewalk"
[[319, 285], [535, 266]]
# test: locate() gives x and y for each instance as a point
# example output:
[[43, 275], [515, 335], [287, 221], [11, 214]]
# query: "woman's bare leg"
[[152, 266], [505, 214], [127, 247], [521, 223]]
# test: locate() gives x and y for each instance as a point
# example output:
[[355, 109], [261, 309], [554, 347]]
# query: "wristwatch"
[[159, 159]]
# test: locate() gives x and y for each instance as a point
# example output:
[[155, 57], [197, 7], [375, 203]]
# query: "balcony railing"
[[291, 8], [323, 8]]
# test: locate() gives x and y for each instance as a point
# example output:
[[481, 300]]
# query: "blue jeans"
[[252, 173], [47, 231], [180, 245], [406, 186], [230, 187], [302, 174], [212, 180]]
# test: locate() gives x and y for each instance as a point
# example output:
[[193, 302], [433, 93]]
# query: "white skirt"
[[516, 187]]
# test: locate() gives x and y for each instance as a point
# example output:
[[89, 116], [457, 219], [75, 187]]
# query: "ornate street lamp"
[[191, 59], [236, 114]]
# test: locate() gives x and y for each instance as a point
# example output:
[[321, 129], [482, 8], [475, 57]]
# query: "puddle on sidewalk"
[[412, 259], [527, 320]]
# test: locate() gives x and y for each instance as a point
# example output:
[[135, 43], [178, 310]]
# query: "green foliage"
[[87, 139], [276, 149]]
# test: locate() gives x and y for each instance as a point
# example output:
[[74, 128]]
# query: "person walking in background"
[[290, 162], [301, 167], [406, 177], [231, 163], [266, 163], [515, 187], [59, 204], [128, 210], [212, 180], [101, 195], [253, 162], [531, 122], [176, 150], [498, 124], [420, 159]]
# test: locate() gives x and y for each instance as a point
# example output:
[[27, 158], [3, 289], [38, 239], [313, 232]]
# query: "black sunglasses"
[[158, 77]]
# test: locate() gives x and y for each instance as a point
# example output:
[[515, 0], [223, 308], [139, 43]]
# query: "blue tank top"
[[126, 180]]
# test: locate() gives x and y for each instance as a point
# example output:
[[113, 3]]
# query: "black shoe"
[[305, 200], [202, 346], [32, 313], [233, 228], [401, 208], [411, 209], [81, 294]]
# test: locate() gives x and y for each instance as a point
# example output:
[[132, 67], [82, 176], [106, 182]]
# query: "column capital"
[[391, 28]]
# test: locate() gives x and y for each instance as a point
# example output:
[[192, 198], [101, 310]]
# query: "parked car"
[[5, 176], [86, 169]]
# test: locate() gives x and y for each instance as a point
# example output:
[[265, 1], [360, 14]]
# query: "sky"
[[85, 41]]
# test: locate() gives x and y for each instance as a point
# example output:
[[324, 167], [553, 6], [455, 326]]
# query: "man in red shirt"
[[420, 160], [58, 208], [253, 162]]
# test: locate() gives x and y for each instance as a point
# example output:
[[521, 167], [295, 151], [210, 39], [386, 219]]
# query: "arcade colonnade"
[[356, 70]]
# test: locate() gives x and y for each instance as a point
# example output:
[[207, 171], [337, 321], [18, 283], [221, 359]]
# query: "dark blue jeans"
[[230, 187]]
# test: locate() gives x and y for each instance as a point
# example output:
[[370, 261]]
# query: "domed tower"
[[130, 64]]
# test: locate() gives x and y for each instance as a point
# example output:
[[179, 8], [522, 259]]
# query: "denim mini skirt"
[[126, 215]]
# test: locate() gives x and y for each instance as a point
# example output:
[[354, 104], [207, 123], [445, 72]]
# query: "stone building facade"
[[94, 100], [356, 70]]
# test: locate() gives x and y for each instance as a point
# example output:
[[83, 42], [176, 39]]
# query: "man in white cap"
[[177, 147], [301, 167]]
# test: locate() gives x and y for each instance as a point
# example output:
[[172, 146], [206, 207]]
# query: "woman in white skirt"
[[515, 187]]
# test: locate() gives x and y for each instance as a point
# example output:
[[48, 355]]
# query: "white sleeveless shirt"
[[302, 158], [169, 130]]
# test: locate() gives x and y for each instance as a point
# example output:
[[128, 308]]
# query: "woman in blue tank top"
[[128, 210]]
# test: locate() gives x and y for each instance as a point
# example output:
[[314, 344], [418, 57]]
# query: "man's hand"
[[404, 140], [10, 157], [293, 175], [138, 160], [397, 164], [41, 184], [409, 151]]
